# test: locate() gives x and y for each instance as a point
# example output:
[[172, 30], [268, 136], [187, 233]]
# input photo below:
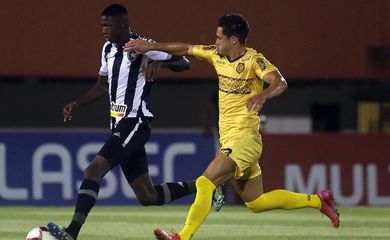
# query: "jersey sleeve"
[[158, 55], [153, 55], [262, 66], [204, 52], [103, 71]]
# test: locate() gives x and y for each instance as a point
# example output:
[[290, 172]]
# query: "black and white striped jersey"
[[128, 88]]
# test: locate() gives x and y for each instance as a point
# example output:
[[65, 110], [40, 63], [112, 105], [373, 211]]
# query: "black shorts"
[[126, 146]]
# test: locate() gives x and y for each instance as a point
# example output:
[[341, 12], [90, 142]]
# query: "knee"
[[97, 169], [202, 183], [148, 199], [91, 173]]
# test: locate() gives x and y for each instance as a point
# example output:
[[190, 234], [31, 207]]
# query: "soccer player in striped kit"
[[122, 76]]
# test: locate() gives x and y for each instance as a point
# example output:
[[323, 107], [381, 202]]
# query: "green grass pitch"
[[231, 223]]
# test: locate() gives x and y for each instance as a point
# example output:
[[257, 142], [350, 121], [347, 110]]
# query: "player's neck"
[[124, 38], [236, 53]]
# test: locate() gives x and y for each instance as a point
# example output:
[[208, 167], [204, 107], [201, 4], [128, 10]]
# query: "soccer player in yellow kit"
[[242, 72]]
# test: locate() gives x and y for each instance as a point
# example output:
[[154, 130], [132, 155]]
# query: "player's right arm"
[[173, 48], [98, 90]]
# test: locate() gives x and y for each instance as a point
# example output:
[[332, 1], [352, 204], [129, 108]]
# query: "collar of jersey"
[[237, 58]]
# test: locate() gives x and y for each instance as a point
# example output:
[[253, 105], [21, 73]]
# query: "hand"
[[150, 70], [255, 103], [67, 110], [136, 46]]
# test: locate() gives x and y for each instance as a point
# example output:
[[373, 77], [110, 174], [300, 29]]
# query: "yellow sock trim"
[[283, 199], [199, 209]]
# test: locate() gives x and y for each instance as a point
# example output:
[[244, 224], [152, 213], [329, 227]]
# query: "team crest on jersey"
[[261, 63], [131, 56], [118, 110], [240, 67], [226, 151]]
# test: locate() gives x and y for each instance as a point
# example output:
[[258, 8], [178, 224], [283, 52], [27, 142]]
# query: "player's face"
[[111, 29], [223, 42]]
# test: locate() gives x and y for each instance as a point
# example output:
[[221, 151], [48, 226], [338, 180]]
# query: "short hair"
[[115, 10], [234, 25]]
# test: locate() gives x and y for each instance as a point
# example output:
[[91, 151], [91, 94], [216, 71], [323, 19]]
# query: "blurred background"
[[329, 130]]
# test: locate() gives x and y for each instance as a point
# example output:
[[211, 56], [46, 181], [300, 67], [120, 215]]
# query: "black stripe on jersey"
[[107, 49], [115, 75], [144, 97], [132, 83]]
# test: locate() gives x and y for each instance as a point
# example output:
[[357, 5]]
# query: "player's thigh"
[[135, 169], [248, 189], [128, 137], [220, 170]]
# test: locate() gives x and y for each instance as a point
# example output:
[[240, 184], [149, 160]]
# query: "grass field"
[[120, 223]]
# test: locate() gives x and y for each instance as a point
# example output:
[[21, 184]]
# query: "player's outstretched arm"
[[277, 85], [177, 49], [96, 92]]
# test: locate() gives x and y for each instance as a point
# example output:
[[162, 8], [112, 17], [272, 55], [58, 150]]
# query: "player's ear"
[[234, 40]]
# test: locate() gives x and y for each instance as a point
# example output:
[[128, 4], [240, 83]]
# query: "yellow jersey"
[[239, 80]]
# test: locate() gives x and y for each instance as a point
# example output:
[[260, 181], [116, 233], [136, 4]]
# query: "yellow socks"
[[283, 199], [200, 208], [267, 201]]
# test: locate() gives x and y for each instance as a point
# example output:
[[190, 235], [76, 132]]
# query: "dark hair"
[[234, 25], [115, 10]]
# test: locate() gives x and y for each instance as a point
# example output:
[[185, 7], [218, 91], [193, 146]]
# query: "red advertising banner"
[[360, 31], [355, 167]]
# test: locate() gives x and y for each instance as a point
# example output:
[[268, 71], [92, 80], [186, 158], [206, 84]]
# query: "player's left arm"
[[277, 85], [160, 59], [176, 64]]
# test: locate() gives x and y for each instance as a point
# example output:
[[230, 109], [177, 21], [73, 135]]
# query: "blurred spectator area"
[[307, 106], [306, 39]]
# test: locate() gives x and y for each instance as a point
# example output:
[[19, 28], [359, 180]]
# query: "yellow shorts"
[[245, 152]]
